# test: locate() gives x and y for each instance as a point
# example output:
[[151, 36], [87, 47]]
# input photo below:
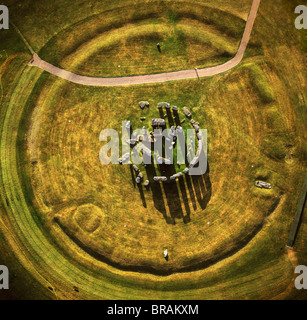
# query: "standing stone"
[[179, 129], [175, 109], [142, 104], [163, 104], [187, 112]]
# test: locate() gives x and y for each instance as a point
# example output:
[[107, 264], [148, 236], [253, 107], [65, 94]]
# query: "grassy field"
[[80, 230]]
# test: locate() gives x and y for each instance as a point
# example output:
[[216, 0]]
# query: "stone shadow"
[[178, 198]]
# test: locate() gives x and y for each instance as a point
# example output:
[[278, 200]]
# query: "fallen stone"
[[263, 185], [162, 178], [176, 176], [158, 122]]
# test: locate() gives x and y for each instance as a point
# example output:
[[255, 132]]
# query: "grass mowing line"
[[298, 215], [86, 52], [23, 38], [153, 78], [133, 14], [41, 19], [10, 234], [16, 198], [29, 232], [109, 115], [14, 244], [192, 268], [71, 88], [58, 110]]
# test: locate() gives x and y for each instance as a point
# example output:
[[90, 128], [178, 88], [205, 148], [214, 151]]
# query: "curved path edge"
[[159, 77]]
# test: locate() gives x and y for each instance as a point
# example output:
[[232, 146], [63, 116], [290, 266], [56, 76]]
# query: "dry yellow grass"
[[255, 120]]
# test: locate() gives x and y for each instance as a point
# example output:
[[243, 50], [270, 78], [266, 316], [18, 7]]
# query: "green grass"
[[186, 43], [255, 120], [190, 36]]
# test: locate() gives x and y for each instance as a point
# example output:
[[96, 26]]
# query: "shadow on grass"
[[176, 199], [147, 268]]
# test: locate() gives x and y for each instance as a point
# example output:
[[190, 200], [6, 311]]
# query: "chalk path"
[[153, 78]]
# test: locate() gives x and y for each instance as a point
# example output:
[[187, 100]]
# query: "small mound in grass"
[[88, 217]]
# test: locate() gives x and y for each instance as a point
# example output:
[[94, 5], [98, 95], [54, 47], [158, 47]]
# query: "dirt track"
[[160, 77]]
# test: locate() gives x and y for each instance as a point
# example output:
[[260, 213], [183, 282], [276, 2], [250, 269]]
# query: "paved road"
[[160, 77]]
